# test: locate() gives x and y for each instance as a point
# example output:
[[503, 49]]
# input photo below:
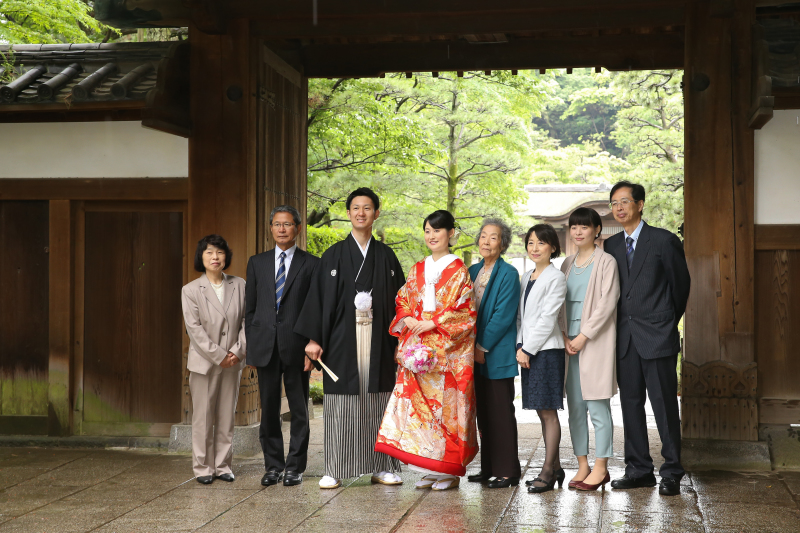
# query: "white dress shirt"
[[287, 262], [634, 235]]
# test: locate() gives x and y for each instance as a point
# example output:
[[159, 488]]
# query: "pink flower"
[[418, 358]]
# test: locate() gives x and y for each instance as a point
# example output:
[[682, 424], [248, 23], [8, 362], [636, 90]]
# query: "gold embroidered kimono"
[[430, 419]]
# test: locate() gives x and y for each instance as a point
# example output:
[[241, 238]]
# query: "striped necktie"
[[629, 252], [280, 281]]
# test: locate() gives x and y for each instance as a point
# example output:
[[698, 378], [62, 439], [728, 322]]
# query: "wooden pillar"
[[60, 311], [221, 151], [719, 373], [218, 147]]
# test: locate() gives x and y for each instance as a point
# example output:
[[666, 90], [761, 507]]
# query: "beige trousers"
[[214, 400]]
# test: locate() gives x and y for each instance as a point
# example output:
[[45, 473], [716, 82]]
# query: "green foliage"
[[650, 128], [316, 393], [581, 110], [50, 22], [320, 239], [447, 142]]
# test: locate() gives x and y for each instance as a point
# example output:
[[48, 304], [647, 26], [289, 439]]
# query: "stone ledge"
[[245, 440], [784, 445], [83, 441], [737, 455]]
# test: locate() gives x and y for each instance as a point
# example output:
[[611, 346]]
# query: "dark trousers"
[[295, 382], [657, 379], [497, 426]]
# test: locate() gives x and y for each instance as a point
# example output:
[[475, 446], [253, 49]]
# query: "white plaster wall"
[[777, 176], [112, 149]]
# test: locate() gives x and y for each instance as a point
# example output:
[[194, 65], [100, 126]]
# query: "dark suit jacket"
[[262, 322], [653, 295]]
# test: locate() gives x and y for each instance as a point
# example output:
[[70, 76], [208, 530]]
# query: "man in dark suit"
[[654, 282], [277, 283]]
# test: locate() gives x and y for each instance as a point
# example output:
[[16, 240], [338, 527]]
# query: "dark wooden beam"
[[273, 19], [95, 189], [613, 52], [66, 115], [777, 237]]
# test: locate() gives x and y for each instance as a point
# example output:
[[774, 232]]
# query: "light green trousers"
[[599, 411]]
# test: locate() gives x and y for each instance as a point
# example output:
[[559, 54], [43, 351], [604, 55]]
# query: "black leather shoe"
[[205, 480], [503, 482], [225, 477], [292, 478], [271, 478], [626, 482], [480, 477], [669, 487]]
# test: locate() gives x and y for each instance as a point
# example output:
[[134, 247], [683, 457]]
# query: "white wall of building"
[[113, 149], [777, 176]]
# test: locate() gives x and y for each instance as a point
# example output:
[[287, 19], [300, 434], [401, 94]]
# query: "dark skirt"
[[543, 382]]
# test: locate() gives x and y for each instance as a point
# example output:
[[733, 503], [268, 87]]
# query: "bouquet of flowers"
[[419, 358]]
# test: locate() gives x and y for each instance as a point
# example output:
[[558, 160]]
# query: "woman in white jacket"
[[540, 348]]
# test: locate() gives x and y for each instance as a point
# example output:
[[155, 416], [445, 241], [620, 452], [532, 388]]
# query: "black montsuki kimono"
[[328, 315]]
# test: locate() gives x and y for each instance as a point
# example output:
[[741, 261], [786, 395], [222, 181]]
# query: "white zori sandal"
[[386, 478], [427, 481], [328, 482], [446, 482]]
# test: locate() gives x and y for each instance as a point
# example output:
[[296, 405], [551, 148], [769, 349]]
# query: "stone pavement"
[[68, 490]]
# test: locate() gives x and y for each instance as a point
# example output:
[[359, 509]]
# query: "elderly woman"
[[213, 310], [497, 293]]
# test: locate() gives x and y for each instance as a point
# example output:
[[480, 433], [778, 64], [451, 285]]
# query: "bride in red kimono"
[[429, 422]]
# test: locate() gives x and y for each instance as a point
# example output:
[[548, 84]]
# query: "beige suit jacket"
[[599, 324], [214, 329]]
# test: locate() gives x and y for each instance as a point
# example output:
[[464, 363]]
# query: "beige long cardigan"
[[599, 325]]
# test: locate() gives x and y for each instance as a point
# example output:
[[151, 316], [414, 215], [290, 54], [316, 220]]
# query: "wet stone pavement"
[[67, 490]]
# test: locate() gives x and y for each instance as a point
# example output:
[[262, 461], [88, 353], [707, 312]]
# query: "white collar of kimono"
[[364, 249], [433, 271]]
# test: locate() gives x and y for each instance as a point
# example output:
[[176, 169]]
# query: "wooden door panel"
[[24, 316], [108, 304], [132, 361], [156, 318]]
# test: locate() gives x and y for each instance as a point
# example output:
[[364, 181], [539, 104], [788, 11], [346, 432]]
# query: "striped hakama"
[[352, 422]]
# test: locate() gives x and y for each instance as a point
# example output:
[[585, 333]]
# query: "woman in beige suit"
[[588, 321], [213, 310]]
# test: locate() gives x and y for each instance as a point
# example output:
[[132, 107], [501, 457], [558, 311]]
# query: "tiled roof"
[[76, 73]]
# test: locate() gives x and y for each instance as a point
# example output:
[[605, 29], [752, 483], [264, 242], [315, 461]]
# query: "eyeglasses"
[[624, 203], [278, 225]]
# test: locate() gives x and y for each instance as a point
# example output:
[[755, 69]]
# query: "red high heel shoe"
[[584, 486]]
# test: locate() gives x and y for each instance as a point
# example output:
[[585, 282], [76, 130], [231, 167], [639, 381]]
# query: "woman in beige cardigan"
[[588, 320]]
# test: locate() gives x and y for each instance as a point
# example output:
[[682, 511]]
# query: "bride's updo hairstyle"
[[441, 219]]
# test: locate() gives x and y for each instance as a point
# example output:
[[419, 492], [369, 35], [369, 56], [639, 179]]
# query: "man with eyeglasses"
[[277, 283], [654, 282]]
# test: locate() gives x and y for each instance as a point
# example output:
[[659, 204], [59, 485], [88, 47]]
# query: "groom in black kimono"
[[354, 342]]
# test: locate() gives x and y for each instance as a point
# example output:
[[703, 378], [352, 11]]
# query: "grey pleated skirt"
[[352, 422]]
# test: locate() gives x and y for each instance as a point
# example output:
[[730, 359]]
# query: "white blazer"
[[537, 318]]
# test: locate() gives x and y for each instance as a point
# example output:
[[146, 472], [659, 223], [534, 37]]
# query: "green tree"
[[50, 22], [355, 137], [650, 129], [478, 126], [581, 109]]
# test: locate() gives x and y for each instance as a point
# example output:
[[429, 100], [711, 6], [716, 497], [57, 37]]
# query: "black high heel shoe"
[[503, 482], [560, 476], [549, 485]]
